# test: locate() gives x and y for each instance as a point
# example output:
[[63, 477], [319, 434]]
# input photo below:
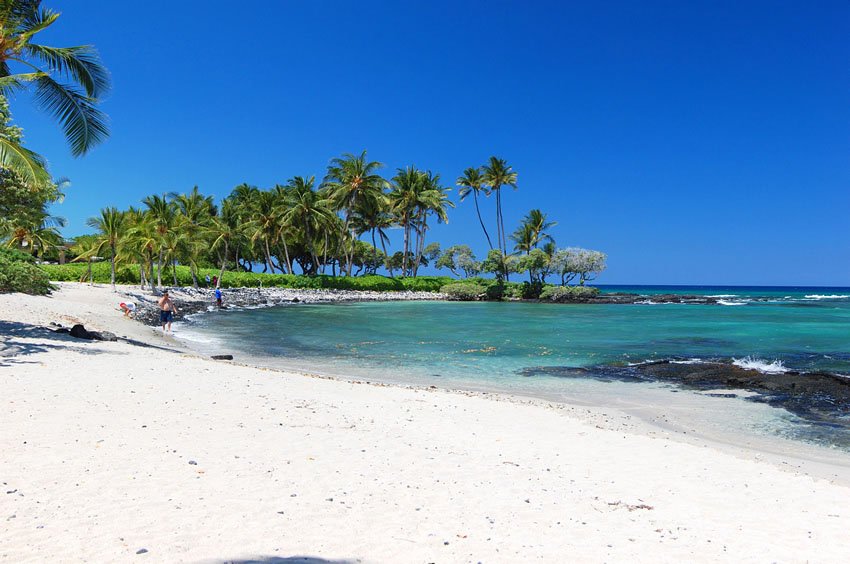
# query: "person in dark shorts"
[[218, 297], [167, 309]]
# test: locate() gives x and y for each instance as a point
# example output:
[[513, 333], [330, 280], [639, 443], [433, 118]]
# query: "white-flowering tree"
[[574, 262]]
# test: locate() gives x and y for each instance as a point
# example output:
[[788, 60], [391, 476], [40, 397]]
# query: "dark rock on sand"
[[222, 357], [81, 332]]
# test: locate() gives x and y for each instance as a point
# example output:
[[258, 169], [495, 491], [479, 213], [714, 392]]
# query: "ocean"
[[573, 353]]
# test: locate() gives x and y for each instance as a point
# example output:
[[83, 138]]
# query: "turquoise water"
[[491, 346], [496, 340]]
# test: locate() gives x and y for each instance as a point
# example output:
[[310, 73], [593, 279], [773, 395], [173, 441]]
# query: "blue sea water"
[[494, 346]]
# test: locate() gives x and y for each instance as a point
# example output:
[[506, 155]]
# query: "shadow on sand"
[[290, 560], [16, 343]]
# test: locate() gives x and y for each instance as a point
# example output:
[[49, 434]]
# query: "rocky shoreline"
[[196, 300], [819, 397]]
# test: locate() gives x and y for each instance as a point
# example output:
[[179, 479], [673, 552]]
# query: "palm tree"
[[498, 173], [309, 211], [374, 218], [532, 231], [197, 211], [434, 200], [472, 182], [351, 181], [225, 229], [110, 224], [37, 235], [263, 223], [407, 186], [163, 215], [74, 105]]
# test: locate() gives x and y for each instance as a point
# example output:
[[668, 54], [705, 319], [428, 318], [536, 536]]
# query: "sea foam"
[[763, 366]]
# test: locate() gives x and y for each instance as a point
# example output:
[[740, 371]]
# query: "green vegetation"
[[129, 274], [464, 291], [19, 274], [567, 293]]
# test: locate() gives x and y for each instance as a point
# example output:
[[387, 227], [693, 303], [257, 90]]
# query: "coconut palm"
[[45, 68], [532, 231], [37, 235], [163, 215], [309, 212], [404, 199], [433, 200], [498, 173], [472, 182], [375, 218], [196, 211], [110, 226], [351, 181]]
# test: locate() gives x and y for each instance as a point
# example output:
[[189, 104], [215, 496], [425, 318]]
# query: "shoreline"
[[430, 473]]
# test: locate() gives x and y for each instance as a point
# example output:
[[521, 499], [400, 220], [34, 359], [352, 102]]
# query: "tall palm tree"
[[404, 198], [163, 215], [196, 211], [350, 182], [434, 200], [472, 182], [375, 218], [110, 225], [498, 173], [309, 212], [73, 104]]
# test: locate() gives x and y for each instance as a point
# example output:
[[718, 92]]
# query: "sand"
[[120, 452]]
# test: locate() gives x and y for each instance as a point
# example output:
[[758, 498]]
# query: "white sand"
[[109, 448]]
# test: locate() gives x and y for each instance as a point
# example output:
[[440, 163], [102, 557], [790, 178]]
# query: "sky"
[[693, 142]]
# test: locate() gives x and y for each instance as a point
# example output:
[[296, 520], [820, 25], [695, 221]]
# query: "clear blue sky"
[[693, 142]]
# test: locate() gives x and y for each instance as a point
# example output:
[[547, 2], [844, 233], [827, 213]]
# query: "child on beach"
[[128, 308]]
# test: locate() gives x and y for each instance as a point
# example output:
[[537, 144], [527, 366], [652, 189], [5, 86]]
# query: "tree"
[[110, 227], [404, 197], [351, 181], [309, 211], [535, 263], [73, 104], [472, 182], [576, 262], [459, 258], [532, 231], [163, 215], [498, 173]]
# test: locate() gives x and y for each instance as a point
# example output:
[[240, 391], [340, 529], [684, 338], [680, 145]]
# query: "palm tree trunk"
[[374, 253], [268, 255], [389, 264], [223, 264], [194, 274], [159, 270], [141, 275], [481, 221], [112, 265], [174, 270], [286, 254], [406, 248]]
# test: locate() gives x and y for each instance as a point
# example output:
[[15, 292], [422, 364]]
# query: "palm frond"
[[28, 164], [84, 125], [82, 63]]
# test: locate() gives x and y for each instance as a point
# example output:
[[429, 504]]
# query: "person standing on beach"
[[218, 297], [208, 280], [167, 309]]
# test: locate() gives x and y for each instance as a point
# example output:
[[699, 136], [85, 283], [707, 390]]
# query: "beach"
[[141, 449]]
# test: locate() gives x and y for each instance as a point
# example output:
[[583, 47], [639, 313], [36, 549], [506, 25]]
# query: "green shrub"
[[20, 275], [568, 293], [494, 290], [463, 291], [129, 274]]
